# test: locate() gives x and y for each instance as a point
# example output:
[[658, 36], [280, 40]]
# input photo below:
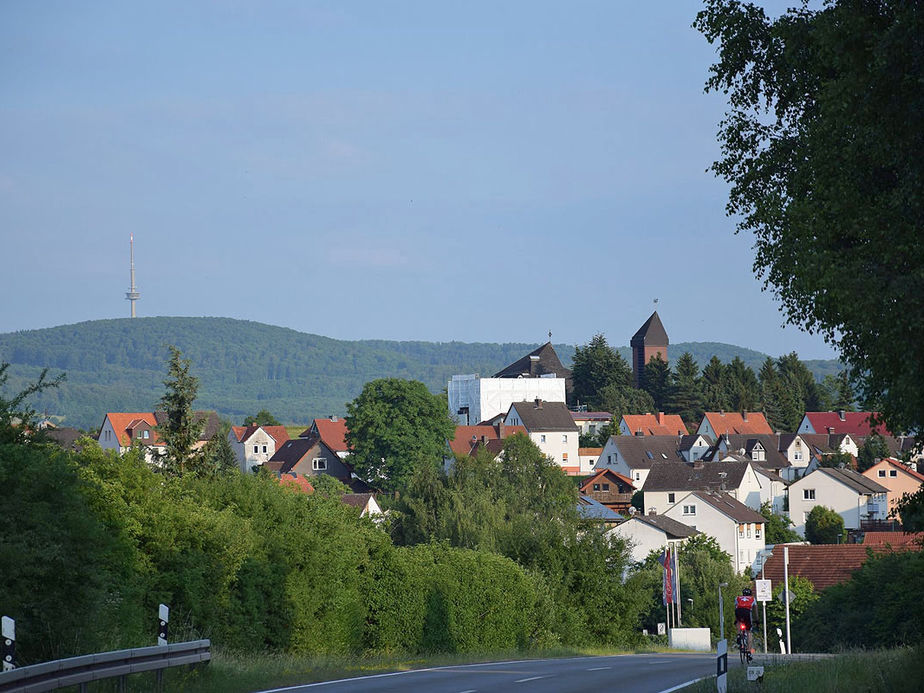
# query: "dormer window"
[[147, 434]]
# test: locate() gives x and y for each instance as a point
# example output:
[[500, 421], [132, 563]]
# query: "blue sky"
[[476, 171]]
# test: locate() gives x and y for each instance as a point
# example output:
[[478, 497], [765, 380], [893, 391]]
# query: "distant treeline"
[[243, 366]]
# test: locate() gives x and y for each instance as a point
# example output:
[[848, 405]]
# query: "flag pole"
[[677, 578]]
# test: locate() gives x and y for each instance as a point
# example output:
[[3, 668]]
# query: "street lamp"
[[721, 612]]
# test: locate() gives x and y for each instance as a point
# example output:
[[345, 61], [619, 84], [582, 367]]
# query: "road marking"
[[685, 684], [472, 690], [599, 668], [531, 678]]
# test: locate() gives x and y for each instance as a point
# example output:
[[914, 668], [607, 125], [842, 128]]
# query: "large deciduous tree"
[[823, 145], [393, 426], [824, 526]]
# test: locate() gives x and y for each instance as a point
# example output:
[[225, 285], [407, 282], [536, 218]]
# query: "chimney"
[[533, 365], [744, 416], [484, 440], [333, 418], [638, 432], [830, 430], [660, 417], [652, 511], [721, 412], [501, 433], [538, 403], [698, 463], [840, 415]]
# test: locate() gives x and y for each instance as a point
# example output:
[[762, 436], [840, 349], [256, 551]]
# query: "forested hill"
[[243, 366]]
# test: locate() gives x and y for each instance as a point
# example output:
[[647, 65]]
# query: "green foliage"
[[837, 393], [217, 456], [881, 605], [873, 448], [394, 426], [742, 388], [822, 145], [777, 528], [824, 526], [656, 379], [262, 418], [803, 596], [181, 430], [686, 395], [838, 459], [715, 395], [597, 365], [618, 401], [17, 419]]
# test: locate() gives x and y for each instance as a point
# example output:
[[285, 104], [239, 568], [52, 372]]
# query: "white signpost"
[[662, 629], [163, 621], [8, 649], [764, 590], [721, 666]]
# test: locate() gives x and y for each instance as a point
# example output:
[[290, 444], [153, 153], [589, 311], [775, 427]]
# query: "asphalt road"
[[655, 673]]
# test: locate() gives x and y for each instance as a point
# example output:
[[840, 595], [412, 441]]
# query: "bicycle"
[[743, 641]]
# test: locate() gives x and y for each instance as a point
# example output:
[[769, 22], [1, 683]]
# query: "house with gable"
[[667, 483], [590, 422], [469, 439], [856, 423], [120, 430], [610, 488], [897, 477], [717, 423], [767, 451], [538, 375], [650, 532], [659, 424], [634, 456], [312, 457], [738, 529], [851, 495], [550, 426], [692, 447], [255, 445], [332, 432]]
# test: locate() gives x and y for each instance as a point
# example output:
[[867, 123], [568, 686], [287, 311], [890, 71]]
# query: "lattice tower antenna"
[[132, 294]]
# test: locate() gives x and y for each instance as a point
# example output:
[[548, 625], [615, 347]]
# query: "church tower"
[[650, 339]]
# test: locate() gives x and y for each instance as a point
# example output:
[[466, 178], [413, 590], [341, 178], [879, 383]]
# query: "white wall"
[[488, 397], [611, 458], [830, 493], [108, 438], [642, 537]]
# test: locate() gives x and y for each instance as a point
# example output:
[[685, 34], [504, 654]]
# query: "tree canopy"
[[262, 418], [393, 426], [180, 432], [823, 145], [596, 366], [824, 526]]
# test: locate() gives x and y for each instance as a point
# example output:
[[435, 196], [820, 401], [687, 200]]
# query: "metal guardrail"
[[79, 671]]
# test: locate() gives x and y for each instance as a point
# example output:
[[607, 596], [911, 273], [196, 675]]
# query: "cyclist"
[[744, 607]]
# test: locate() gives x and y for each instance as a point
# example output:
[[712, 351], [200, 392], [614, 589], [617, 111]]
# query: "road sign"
[[755, 673], [721, 666], [782, 596], [764, 590], [662, 629]]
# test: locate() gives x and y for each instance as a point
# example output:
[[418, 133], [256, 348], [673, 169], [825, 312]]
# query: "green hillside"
[[243, 366]]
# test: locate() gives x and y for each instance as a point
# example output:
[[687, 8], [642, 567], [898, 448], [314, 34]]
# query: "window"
[[596, 487], [797, 456], [542, 438], [749, 530], [671, 498], [606, 487], [808, 494], [892, 472], [650, 456], [564, 438], [139, 434], [319, 464], [264, 448], [592, 428], [564, 457], [757, 531], [638, 476], [608, 457], [147, 435], [882, 473], [804, 518], [256, 449], [740, 530], [689, 510]]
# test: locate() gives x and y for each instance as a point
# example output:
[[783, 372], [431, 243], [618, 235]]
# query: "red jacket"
[[744, 602]]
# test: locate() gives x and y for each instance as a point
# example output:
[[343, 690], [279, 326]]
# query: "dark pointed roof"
[[542, 361], [652, 333]]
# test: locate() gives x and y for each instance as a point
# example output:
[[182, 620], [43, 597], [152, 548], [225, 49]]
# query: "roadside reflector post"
[[721, 666], [8, 649], [163, 615]]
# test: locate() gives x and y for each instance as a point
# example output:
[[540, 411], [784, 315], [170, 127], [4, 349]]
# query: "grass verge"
[[885, 671]]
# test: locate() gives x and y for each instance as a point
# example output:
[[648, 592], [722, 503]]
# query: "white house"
[[646, 533], [634, 456], [851, 495], [550, 426], [120, 430], [738, 530], [538, 375], [667, 483], [255, 445]]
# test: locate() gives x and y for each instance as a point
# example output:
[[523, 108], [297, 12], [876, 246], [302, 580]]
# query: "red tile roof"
[[733, 422], [333, 433], [824, 565], [655, 424], [856, 423], [590, 452], [608, 473], [121, 421], [469, 436], [895, 539], [278, 433], [299, 483]]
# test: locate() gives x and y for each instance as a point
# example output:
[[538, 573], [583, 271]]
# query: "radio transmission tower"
[[132, 294]]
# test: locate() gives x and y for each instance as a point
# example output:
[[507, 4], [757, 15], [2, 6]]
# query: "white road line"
[[469, 691], [599, 668], [684, 685], [531, 678]]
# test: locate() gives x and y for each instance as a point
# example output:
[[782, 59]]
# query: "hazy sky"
[[478, 171]]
